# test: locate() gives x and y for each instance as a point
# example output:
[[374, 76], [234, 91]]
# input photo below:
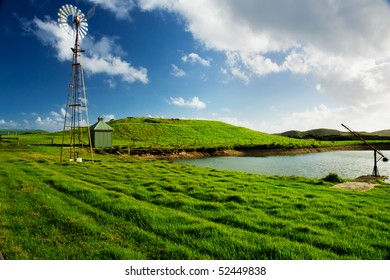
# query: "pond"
[[347, 164]]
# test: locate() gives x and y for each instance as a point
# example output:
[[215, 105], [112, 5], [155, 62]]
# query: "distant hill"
[[334, 134], [313, 132], [385, 132], [5, 131]]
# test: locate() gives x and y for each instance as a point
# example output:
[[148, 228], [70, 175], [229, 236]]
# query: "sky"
[[270, 66]]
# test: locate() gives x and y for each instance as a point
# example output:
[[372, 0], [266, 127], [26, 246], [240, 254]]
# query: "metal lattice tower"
[[76, 103]]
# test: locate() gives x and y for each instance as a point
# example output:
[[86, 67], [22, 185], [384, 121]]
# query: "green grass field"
[[121, 207]]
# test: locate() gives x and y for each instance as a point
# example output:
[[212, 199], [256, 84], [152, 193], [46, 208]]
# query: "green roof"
[[101, 126]]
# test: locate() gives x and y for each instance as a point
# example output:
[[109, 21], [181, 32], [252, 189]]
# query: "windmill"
[[74, 22]]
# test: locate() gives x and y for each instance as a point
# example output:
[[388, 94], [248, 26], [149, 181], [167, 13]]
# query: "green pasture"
[[168, 135], [121, 207]]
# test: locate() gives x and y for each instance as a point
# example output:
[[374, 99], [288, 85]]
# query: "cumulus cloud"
[[111, 83], [177, 72], [194, 102], [103, 56], [115, 66], [325, 116], [343, 45], [120, 8], [318, 116], [58, 117], [236, 121], [45, 122], [9, 124], [54, 121], [103, 47], [195, 58], [108, 117]]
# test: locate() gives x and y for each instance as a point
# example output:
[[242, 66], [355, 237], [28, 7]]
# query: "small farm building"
[[101, 134]]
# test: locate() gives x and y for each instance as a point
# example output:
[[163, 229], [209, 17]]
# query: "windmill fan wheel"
[[72, 20]]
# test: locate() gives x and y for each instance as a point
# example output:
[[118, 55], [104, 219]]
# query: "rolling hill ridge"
[[334, 134], [173, 133]]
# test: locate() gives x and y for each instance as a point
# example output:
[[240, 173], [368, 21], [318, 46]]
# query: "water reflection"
[[347, 164]]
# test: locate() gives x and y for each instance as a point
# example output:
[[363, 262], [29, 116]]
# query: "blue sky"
[[267, 65]]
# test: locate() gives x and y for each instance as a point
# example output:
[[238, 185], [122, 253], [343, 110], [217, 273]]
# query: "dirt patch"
[[362, 183], [177, 155], [371, 179], [360, 186]]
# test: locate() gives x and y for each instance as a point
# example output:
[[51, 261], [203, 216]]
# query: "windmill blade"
[[91, 12]]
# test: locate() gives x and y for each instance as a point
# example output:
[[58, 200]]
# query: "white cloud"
[[237, 72], [103, 57], [115, 66], [235, 121], [108, 117], [4, 124], [244, 65], [54, 121], [195, 58], [319, 88], [106, 46], [322, 116], [177, 72], [111, 83], [58, 117], [342, 45], [120, 8], [317, 117], [194, 102]]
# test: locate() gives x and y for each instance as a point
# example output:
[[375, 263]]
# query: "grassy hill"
[[158, 134], [185, 131], [334, 134], [172, 134], [195, 134]]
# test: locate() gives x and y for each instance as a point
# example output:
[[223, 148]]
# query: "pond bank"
[[257, 152]]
